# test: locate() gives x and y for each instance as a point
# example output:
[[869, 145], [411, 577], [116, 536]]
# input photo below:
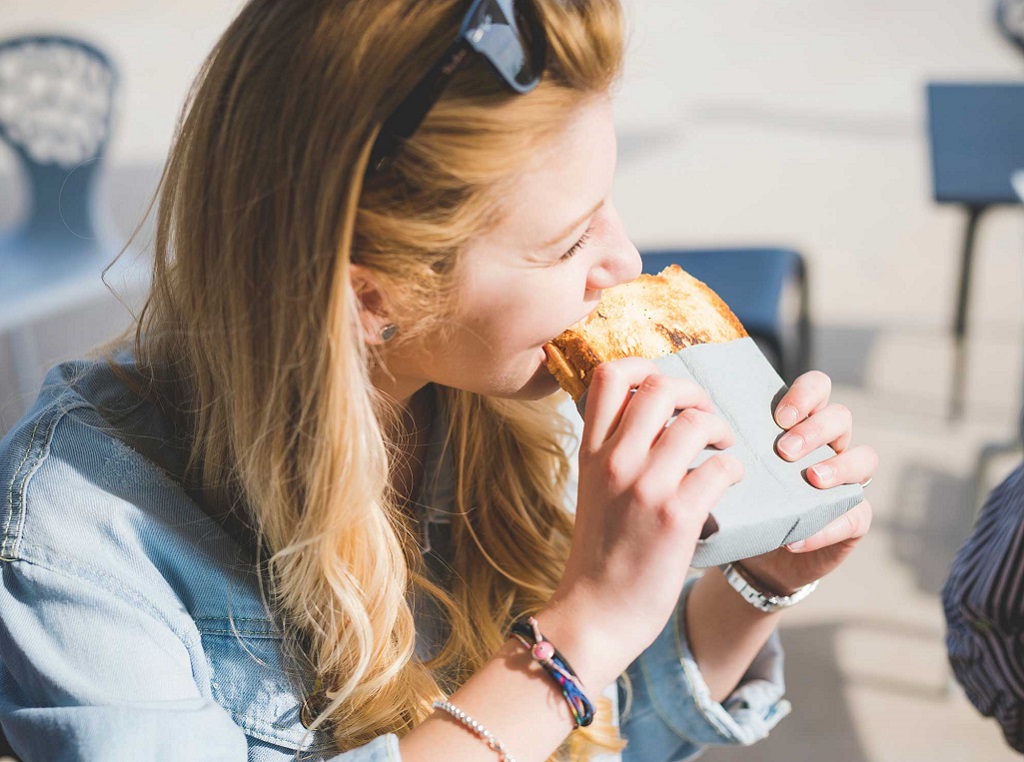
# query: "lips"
[[576, 322]]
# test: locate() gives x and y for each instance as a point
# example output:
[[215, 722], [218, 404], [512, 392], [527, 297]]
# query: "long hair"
[[251, 341]]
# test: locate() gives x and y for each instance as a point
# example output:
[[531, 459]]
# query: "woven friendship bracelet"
[[528, 633], [476, 729]]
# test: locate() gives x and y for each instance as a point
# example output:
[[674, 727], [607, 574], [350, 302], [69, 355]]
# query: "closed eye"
[[575, 248]]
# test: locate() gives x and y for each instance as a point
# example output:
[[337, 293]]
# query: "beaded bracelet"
[[528, 633], [476, 729]]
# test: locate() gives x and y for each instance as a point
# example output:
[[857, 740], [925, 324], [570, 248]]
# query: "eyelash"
[[577, 246]]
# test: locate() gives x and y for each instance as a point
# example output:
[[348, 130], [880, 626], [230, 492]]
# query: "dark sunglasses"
[[506, 33]]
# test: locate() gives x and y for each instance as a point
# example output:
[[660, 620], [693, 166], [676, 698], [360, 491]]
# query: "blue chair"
[[765, 287], [56, 99], [977, 142]]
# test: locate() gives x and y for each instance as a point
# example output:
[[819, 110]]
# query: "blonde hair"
[[252, 345]]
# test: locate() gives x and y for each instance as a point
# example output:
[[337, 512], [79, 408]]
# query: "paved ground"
[[798, 122]]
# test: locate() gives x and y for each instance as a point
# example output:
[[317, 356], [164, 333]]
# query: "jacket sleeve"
[[670, 714], [89, 672]]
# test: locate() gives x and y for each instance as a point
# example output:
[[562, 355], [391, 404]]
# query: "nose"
[[620, 261]]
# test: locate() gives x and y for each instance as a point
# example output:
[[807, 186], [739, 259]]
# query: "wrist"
[[594, 655], [754, 593], [724, 632], [776, 573], [714, 585], [763, 580]]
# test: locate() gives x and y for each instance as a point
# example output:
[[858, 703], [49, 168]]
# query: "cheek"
[[497, 344], [527, 309], [503, 357]]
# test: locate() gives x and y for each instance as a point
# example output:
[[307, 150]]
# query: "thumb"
[[852, 525]]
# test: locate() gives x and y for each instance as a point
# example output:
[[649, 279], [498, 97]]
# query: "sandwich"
[[652, 316], [659, 316]]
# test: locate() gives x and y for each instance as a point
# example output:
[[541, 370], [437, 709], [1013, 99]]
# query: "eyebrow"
[[558, 239]]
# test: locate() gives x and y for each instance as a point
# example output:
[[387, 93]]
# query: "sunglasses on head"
[[509, 37]]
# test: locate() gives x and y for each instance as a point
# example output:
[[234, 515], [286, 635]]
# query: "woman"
[[328, 477]]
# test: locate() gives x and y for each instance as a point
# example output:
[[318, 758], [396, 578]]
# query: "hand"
[[811, 421], [639, 512]]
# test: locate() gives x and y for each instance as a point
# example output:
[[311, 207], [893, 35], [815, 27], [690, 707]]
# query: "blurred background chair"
[[1010, 18], [56, 99], [976, 133], [765, 287]]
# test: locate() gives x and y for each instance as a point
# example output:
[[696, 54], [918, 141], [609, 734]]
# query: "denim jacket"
[[132, 626]]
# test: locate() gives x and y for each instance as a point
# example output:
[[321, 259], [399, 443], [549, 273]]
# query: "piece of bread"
[[652, 316]]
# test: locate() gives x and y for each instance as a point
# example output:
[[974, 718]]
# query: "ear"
[[371, 303]]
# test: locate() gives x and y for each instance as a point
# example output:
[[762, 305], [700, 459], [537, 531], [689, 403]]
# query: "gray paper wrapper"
[[774, 504]]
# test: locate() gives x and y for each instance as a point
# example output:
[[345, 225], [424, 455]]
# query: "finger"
[[855, 466], [831, 425], [705, 485], [684, 439], [852, 525], [608, 396], [652, 406], [808, 394]]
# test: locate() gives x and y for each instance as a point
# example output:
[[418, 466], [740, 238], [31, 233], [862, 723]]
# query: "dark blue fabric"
[[984, 604]]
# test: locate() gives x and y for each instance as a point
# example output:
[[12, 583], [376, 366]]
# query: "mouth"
[[590, 311]]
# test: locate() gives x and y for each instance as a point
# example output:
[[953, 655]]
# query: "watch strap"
[[739, 581]]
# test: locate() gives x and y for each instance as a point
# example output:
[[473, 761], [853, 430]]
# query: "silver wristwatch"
[[739, 582]]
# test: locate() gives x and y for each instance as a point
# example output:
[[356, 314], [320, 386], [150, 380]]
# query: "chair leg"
[[956, 407], [803, 358], [774, 352]]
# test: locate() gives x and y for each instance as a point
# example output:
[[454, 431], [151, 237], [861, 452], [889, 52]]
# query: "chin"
[[529, 379], [541, 384]]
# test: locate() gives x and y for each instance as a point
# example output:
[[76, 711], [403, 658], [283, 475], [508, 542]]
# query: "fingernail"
[[798, 545], [786, 416], [791, 445], [824, 473]]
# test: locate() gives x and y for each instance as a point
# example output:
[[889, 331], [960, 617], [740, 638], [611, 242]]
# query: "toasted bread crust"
[[565, 374], [652, 316]]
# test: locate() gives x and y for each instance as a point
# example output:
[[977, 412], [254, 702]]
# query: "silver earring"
[[387, 333]]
